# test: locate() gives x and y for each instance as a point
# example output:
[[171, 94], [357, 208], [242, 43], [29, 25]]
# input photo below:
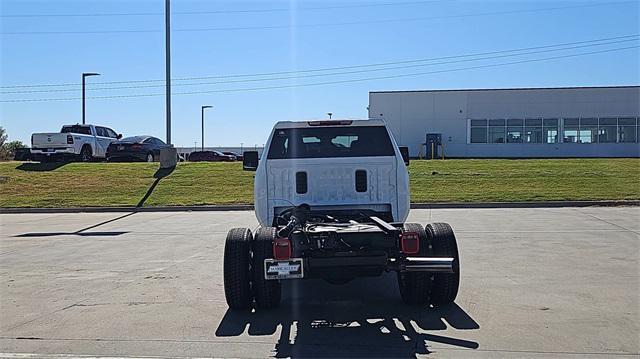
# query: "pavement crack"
[[608, 222]]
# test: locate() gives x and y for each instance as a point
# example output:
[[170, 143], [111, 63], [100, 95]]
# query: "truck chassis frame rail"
[[426, 261]]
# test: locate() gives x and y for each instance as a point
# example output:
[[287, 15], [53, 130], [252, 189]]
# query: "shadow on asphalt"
[[364, 318], [40, 166], [81, 232], [158, 175]]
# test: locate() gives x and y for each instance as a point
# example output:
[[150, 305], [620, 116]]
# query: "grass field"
[[125, 184]]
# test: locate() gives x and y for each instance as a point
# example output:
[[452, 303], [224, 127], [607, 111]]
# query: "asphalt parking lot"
[[535, 283]]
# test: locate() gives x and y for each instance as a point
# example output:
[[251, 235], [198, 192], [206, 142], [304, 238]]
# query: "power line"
[[205, 12], [329, 74], [326, 69], [288, 26], [333, 82]]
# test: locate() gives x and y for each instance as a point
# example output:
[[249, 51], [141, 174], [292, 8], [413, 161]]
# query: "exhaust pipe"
[[426, 264]]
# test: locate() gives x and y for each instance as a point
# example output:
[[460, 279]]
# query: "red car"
[[210, 156]]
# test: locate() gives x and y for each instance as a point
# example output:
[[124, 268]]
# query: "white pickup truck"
[[332, 198], [83, 142]]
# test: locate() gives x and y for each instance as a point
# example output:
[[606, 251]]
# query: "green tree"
[[8, 149], [3, 136]]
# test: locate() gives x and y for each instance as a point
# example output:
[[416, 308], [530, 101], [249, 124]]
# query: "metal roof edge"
[[514, 89]]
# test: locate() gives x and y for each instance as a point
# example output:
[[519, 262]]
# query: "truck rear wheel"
[[237, 268], [444, 287], [415, 286], [85, 154], [267, 293]]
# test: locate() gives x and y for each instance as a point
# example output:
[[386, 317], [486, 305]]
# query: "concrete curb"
[[127, 209], [247, 207], [541, 204]]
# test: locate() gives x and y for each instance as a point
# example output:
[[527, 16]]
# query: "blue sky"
[[341, 34]]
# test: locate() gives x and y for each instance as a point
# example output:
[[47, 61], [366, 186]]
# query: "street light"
[[84, 75], [202, 115], [167, 65]]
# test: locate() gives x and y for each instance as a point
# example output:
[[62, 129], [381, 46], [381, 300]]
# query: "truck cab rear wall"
[[329, 158]]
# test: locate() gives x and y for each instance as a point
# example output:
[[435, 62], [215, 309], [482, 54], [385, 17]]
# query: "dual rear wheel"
[[244, 281], [436, 240]]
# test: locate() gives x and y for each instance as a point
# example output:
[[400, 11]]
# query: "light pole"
[[167, 65], [84, 75], [202, 115]]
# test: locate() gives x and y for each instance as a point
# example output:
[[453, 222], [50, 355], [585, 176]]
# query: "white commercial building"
[[514, 123]]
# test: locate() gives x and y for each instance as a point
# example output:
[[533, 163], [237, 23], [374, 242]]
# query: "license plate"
[[120, 148], [289, 269], [50, 150]]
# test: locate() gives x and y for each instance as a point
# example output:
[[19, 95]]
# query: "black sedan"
[[136, 148]]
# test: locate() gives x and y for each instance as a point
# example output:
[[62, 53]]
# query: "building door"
[[433, 141]]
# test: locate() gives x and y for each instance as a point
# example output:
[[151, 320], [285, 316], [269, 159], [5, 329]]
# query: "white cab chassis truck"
[[332, 198], [81, 142]]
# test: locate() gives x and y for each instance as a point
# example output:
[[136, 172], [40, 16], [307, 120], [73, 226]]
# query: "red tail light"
[[281, 249], [69, 139], [410, 243], [135, 146]]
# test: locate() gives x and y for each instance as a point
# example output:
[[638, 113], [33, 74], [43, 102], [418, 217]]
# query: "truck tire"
[[416, 286], [86, 154], [444, 288], [267, 293], [237, 268]]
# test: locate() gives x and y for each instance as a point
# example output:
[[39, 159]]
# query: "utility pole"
[[167, 31], [84, 75], [202, 116]]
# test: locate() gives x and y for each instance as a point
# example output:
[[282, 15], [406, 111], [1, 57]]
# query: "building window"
[[533, 130], [496, 131], [588, 130], [550, 130], [515, 130], [607, 130], [478, 131], [571, 130], [627, 130], [533, 134]]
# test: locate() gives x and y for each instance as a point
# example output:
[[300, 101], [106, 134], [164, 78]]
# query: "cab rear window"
[[323, 142], [83, 130]]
